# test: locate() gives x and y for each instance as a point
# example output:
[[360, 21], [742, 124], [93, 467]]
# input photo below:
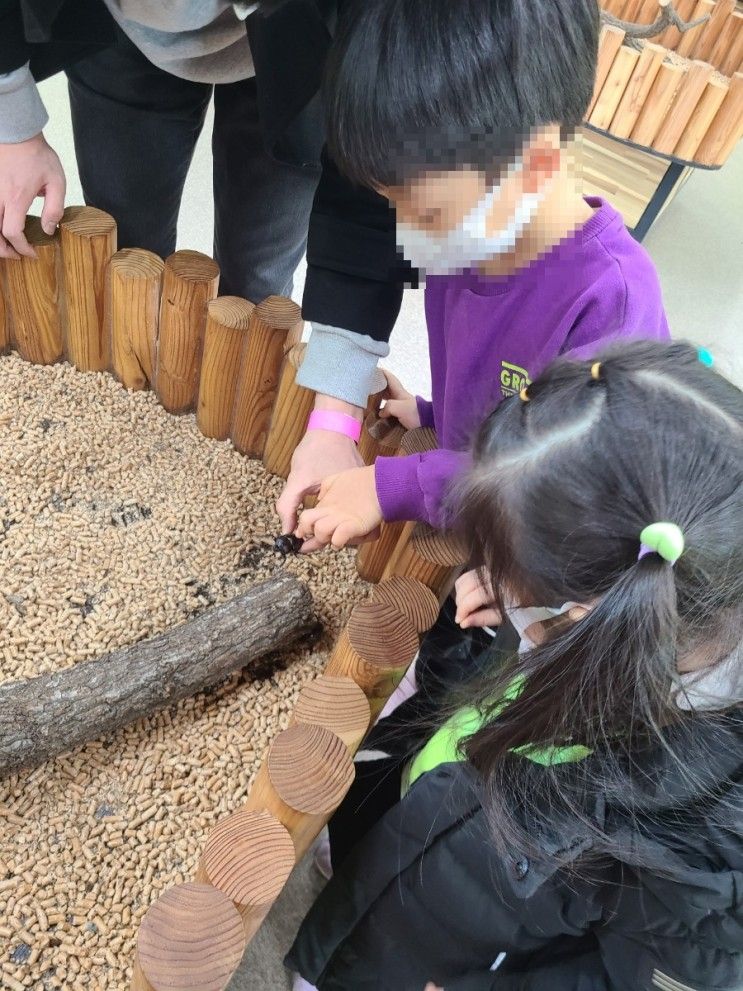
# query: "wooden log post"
[[132, 312], [272, 328], [88, 241], [302, 781], [338, 704], [672, 36], [614, 87], [725, 130], [414, 600], [380, 438], [373, 556], [227, 322], [190, 281], [701, 119], [684, 105], [248, 857], [659, 99], [431, 556], [4, 315], [192, 937], [290, 414], [610, 42], [45, 716], [689, 39], [710, 35], [375, 649], [33, 298], [732, 58], [641, 81]]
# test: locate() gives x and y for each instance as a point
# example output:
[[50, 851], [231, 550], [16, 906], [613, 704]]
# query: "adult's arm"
[[353, 288]]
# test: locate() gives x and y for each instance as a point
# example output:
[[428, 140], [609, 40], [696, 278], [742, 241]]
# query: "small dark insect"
[[287, 543]]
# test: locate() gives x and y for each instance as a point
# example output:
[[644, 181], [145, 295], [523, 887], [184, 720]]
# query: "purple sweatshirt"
[[490, 336]]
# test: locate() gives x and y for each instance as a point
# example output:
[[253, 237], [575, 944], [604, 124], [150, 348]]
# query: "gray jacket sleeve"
[[22, 113]]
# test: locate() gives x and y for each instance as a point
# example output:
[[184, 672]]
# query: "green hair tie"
[[665, 539]]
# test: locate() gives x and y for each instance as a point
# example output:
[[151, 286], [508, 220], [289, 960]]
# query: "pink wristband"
[[339, 423]]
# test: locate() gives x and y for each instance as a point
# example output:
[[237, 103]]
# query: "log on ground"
[[44, 716]]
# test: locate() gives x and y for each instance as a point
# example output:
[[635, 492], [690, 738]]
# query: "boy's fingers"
[[483, 617], [308, 521], [346, 532]]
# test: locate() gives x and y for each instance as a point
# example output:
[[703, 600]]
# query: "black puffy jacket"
[[423, 896]]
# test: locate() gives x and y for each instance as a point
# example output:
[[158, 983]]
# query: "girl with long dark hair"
[[574, 818]]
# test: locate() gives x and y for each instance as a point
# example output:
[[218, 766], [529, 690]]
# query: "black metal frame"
[[657, 201]]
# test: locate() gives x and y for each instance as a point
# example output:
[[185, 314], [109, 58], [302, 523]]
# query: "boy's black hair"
[[413, 85], [562, 486]]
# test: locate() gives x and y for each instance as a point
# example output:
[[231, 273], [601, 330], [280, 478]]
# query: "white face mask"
[[469, 243], [523, 617]]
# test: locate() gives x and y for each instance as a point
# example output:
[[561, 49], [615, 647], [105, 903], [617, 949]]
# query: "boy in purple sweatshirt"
[[460, 113]]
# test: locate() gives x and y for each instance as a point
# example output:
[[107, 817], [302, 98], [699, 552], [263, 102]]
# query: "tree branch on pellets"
[[45, 716], [667, 18]]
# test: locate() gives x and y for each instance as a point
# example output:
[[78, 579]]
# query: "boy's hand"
[[432, 987], [347, 511], [474, 597], [401, 404]]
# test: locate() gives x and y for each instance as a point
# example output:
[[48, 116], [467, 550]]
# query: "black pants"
[[135, 129]]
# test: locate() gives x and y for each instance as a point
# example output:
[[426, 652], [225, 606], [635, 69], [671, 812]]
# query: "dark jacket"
[[423, 896], [354, 276]]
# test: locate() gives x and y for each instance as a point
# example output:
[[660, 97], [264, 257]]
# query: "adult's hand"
[[321, 453], [28, 169]]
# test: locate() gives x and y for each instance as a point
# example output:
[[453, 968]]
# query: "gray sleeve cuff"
[[22, 114], [342, 364]]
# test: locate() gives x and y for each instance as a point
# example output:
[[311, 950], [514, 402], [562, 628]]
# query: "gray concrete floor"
[[697, 246]]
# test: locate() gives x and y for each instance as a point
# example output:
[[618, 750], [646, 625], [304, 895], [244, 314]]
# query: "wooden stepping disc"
[[382, 635], [338, 704], [411, 597], [418, 440], [249, 857], [310, 768], [192, 937]]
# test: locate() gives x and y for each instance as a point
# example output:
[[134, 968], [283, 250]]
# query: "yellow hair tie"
[[524, 395], [596, 371]]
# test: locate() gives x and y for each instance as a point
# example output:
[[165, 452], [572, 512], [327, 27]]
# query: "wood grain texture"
[[418, 441], [430, 556], [132, 311], [672, 36], [375, 649], [701, 119], [713, 29], [45, 716], [307, 765], [373, 556], [4, 314], [659, 99], [731, 60], [411, 597], [227, 322], [610, 42], [614, 87], [291, 411], [33, 298], [190, 281], [191, 937], [249, 857], [379, 438], [689, 39], [336, 703], [688, 96], [88, 241], [260, 370], [725, 130], [638, 87]]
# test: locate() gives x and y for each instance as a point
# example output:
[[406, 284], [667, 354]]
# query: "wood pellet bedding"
[[117, 521]]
